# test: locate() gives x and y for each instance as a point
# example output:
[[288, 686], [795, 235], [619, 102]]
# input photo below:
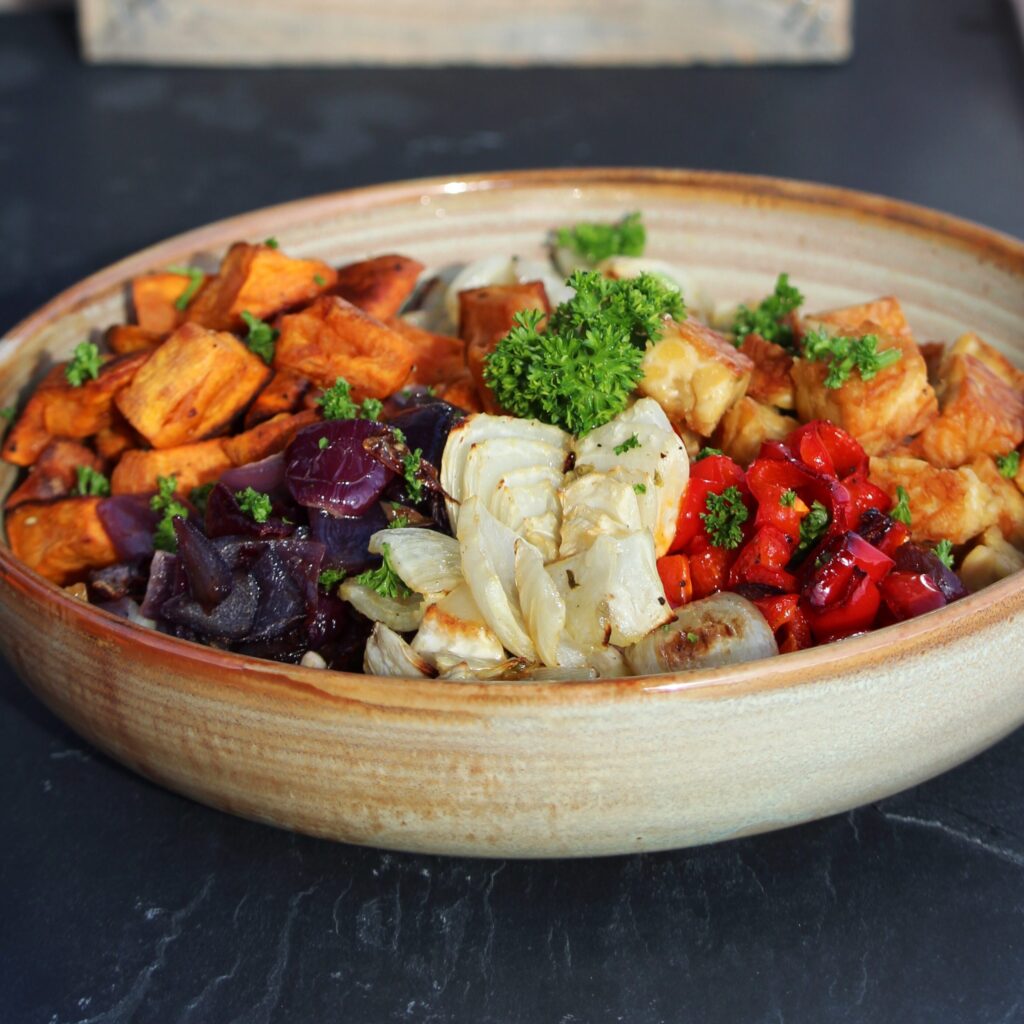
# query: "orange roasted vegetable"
[[154, 297], [260, 280], [268, 437], [379, 286], [190, 465], [55, 473], [332, 339], [439, 358], [124, 339], [770, 382], [113, 441], [61, 540], [284, 393], [192, 387]]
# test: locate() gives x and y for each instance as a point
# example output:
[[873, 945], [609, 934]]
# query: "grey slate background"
[[120, 902]]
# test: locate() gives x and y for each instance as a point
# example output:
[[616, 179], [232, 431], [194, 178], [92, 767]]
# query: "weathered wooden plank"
[[499, 32]]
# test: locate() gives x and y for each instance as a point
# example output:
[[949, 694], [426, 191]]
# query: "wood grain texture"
[[501, 32], [574, 768]]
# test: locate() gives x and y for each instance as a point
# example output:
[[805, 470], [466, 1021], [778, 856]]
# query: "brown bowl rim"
[[855, 655]]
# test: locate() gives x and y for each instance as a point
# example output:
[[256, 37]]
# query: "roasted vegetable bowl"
[[512, 481]]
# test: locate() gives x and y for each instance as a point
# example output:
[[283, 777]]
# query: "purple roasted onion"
[[327, 467], [427, 427], [911, 557], [129, 522], [266, 476], [208, 575], [166, 580], [346, 538], [224, 518]]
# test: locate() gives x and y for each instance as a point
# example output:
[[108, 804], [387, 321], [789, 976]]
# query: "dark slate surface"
[[120, 902]]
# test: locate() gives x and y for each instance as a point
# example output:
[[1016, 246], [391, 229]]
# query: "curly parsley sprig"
[[337, 403], [168, 506], [90, 483], [85, 364], [384, 579], [725, 517], [261, 337], [844, 355], [597, 241], [770, 318]]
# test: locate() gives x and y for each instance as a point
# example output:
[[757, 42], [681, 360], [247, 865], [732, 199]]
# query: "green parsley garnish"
[[195, 282], [8, 413], [90, 483], [788, 499], [769, 318], [901, 510], [398, 523], [85, 363], [399, 434], [200, 496], [705, 453], [168, 506], [812, 526], [261, 337], [270, 243], [581, 369], [1008, 464], [692, 638], [330, 578], [725, 517], [255, 504], [371, 408], [597, 241], [844, 355], [384, 579], [411, 463], [319, 279], [337, 403], [640, 488], [944, 553], [630, 443], [323, 443]]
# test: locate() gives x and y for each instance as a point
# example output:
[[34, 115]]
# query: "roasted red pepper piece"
[[887, 534], [772, 512], [865, 495], [711, 475], [827, 449], [855, 612], [709, 568], [762, 561], [829, 576], [674, 571], [908, 594], [787, 620]]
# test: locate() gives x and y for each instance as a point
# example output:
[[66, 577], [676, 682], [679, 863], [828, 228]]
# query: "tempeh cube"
[[880, 316], [192, 387], [746, 426], [60, 540], [770, 383], [1006, 500]]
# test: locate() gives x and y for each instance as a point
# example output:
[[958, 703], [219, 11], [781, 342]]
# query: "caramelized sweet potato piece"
[[770, 382], [61, 540], [192, 386], [59, 410], [284, 393], [379, 286], [440, 358], [54, 474], [485, 317], [123, 339], [260, 280], [154, 297], [462, 393], [332, 338], [880, 412], [113, 441], [268, 437], [980, 414], [881, 316], [190, 464]]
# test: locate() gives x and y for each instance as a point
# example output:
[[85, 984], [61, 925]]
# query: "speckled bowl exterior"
[[544, 769]]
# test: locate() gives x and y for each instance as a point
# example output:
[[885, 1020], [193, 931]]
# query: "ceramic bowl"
[[566, 769]]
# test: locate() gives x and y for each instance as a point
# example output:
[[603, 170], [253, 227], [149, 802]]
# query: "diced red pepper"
[[762, 561], [887, 534], [718, 469], [908, 594], [865, 495], [772, 512], [712, 475], [827, 583], [674, 571], [709, 568], [788, 621], [827, 449], [855, 612]]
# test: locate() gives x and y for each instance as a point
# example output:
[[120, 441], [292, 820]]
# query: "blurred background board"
[[432, 32]]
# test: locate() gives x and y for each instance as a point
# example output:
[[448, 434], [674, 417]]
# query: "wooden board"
[[498, 32]]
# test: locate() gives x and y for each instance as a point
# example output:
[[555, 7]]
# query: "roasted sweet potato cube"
[[192, 387], [695, 374], [980, 414], [55, 472], [462, 393], [881, 316], [944, 503], [332, 339], [61, 540], [746, 425], [379, 286], [123, 339], [190, 464], [485, 317], [28, 437], [1006, 500], [260, 280], [113, 441], [770, 382], [154, 297], [894, 404], [439, 358], [284, 393], [268, 437]]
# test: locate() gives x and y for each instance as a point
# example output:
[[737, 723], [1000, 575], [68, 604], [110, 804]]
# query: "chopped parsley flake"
[[769, 318], [411, 463], [319, 280], [323, 443], [371, 408], [8, 413], [705, 453], [254, 504], [168, 506], [90, 483], [337, 403], [384, 579], [261, 337], [1008, 464], [200, 496], [398, 523], [84, 365], [195, 282], [640, 488], [270, 243], [692, 638], [812, 526], [901, 510], [844, 355], [944, 553], [725, 517], [399, 434], [630, 443], [597, 241], [788, 499], [330, 578]]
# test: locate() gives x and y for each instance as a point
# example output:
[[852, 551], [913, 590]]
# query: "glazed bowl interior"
[[733, 234]]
